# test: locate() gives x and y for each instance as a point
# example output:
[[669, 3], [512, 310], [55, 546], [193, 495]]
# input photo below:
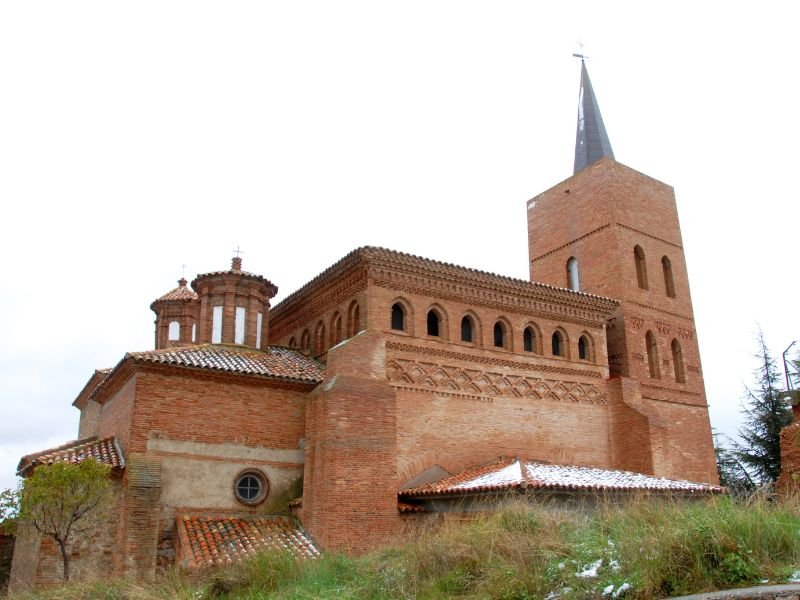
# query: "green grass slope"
[[648, 549]]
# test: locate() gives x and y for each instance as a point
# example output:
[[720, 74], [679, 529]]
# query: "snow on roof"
[[516, 473]]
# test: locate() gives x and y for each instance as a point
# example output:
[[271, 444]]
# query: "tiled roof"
[[179, 293], [378, 256], [516, 473], [95, 381], [208, 540], [277, 362], [104, 451]]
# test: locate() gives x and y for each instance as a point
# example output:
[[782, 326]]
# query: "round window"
[[251, 487]]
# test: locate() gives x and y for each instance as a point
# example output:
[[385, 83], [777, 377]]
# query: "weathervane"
[[580, 54]]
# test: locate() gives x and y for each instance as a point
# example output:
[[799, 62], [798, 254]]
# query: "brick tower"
[[233, 307], [176, 317], [612, 231]]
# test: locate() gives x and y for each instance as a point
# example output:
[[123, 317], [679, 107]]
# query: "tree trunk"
[[65, 558]]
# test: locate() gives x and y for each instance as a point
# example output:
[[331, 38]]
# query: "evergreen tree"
[[766, 412], [732, 474]]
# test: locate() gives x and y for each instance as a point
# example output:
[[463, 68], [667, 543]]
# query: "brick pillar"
[[631, 448], [350, 479], [139, 526]]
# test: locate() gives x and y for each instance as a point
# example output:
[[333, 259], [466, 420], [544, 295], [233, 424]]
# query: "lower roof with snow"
[[516, 474]]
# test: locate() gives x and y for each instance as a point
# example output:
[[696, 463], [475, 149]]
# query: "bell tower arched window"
[[669, 283], [677, 361], [641, 267], [573, 277], [652, 355]]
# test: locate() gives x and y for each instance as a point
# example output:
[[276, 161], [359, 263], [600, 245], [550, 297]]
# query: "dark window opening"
[[652, 355], [398, 317], [641, 267], [528, 339], [466, 329], [669, 284], [558, 344], [499, 335], [583, 348], [433, 323], [677, 360]]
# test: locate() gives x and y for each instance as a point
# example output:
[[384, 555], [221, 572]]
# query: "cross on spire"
[[237, 251]]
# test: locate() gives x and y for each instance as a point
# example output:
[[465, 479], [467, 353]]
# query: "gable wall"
[[215, 410]]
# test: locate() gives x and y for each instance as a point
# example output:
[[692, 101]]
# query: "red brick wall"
[[789, 482], [116, 414], [220, 409], [599, 216], [350, 483]]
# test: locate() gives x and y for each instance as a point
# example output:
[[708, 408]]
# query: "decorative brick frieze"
[[478, 384], [490, 360]]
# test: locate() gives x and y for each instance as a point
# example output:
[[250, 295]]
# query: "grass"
[[648, 549]]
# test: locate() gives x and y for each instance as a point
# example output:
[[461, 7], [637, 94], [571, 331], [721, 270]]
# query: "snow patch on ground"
[[590, 570]]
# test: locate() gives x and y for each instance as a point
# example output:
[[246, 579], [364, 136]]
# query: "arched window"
[[500, 335], [528, 340], [292, 342], [466, 329], [353, 319], [434, 322], [174, 333], [652, 355], [305, 342], [584, 348], [398, 317], [319, 338], [677, 361], [336, 329], [669, 284], [557, 343], [641, 267], [573, 279]]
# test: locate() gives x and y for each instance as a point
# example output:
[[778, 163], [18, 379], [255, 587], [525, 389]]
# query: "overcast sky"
[[139, 137]]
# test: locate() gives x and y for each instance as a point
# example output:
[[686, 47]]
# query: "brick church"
[[391, 388]]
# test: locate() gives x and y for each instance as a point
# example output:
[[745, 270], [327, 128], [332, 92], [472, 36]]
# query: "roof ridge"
[[377, 252]]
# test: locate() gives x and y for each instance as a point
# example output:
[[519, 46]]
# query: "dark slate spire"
[[591, 141]]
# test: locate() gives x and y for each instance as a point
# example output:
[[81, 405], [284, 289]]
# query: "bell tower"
[[612, 231]]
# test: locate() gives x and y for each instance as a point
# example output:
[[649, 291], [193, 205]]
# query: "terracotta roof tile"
[[515, 473], [209, 540], [277, 362], [103, 450], [179, 293], [375, 255]]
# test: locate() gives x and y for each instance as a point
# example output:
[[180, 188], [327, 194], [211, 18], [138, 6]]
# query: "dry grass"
[[657, 548]]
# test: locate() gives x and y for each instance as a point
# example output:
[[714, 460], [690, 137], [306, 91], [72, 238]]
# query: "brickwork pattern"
[[350, 485], [599, 216]]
